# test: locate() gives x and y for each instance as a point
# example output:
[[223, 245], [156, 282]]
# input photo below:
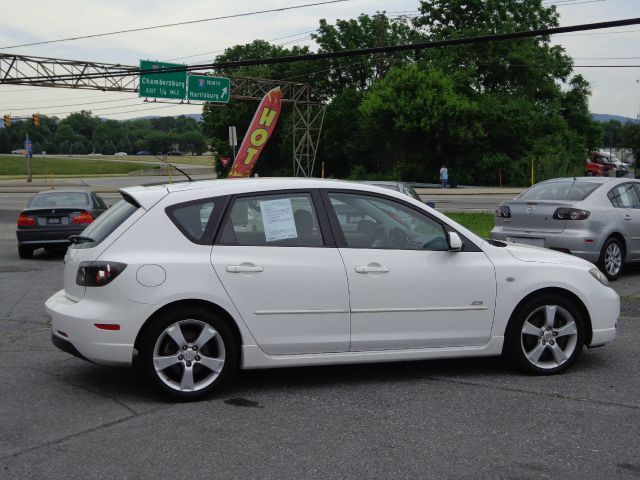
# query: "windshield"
[[60, 199], [106, 223], [569, 190]]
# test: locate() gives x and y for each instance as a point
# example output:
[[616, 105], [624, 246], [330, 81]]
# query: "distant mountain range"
[[196, 116], [603, 117]]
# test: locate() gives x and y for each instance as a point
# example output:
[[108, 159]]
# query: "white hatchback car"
[[193, 280]]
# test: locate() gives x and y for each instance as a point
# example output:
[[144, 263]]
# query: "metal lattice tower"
[[58, 73]]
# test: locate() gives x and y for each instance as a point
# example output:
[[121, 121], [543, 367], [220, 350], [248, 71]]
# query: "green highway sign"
[[209, 89], [162, 85]]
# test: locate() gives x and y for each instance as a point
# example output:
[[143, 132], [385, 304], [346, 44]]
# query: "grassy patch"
[[479, 223], [186, 159], [18, 166]]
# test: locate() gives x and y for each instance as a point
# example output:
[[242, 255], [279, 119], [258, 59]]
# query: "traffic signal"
[[36, 119], [7, 120]]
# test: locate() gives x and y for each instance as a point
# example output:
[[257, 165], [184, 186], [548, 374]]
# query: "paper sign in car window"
[[277, 217]]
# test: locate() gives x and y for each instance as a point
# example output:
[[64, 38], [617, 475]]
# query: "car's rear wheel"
[[25, 252], [589, 174], [611, 258], [546, 335], [189, 352]]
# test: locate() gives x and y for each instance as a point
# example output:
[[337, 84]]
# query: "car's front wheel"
[[611, 258], [546, 335], [188, 352]]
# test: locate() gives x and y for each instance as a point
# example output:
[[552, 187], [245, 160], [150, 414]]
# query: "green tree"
[[338, 74], [192, 142], [613, 134], [415, 116]]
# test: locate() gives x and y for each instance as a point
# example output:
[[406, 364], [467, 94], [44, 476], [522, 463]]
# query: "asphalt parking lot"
[[61, 417]]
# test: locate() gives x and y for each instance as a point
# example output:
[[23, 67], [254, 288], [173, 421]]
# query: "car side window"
[[624, 196], [97, 201], [287, 220], [374, 222], [192, 218]]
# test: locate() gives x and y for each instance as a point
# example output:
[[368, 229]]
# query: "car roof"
[[63, 190], [271, 183], [600, 180], [148, 196]]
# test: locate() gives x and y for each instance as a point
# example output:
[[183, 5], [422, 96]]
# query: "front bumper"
[[73, 326], [604, 309]]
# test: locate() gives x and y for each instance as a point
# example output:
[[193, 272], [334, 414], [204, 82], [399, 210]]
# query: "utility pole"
[[381, 44]]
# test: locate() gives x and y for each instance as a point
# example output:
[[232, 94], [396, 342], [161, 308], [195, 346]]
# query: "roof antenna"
[[172, 165]]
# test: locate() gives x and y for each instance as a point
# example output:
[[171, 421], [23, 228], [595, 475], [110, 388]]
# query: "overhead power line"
[[70, 105], [188, 22], [119, 72], [566, 4]]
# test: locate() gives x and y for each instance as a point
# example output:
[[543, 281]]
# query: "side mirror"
[[455, 242]]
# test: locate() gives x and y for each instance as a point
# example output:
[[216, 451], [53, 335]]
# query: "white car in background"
[[194, 280]]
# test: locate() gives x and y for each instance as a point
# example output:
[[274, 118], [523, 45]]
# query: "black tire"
[[25, 252], [191, 321], [611, 261], [589, 174], [557, 348]]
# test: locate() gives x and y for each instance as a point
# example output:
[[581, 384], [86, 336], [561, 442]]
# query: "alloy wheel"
[[613, 259], [549, 336], [189, 355]]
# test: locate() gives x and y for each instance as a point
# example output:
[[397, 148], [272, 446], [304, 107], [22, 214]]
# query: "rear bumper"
[[73, 327], [47, 237], [573, 241]]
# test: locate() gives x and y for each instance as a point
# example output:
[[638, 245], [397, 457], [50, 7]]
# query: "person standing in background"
[[444, 176]]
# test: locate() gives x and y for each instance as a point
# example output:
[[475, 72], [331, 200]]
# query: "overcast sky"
[[615, 90]]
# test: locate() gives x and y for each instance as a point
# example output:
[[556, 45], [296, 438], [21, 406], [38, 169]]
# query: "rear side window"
[[624, 196], [192, 219], [106, 223], [272, 220], [60, 200], [575, 191]]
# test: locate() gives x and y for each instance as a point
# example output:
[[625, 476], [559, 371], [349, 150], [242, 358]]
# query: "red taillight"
[[503, 211], [82, 217], [107, 326], [98, 274], [26, 220], [570, 214]]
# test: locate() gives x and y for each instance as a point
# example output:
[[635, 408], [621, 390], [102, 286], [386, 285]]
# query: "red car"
[[603, 161], [594, 169]]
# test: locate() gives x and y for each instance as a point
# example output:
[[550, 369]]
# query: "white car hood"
[[527, 253]]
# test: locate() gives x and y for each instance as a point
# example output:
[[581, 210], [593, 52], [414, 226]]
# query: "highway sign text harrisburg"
[[208, 89], [162, 85]]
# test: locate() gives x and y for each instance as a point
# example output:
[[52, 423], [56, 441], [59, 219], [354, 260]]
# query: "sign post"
[[162, 85], [233, 140], [28, 146], [203, 88]]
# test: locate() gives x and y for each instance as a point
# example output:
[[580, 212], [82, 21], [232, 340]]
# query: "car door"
[[626, 200], [284, 274], [406, 289]]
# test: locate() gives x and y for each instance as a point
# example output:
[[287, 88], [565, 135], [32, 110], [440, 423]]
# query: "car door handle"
[[627, 218], [371, 269], [244, 269]]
